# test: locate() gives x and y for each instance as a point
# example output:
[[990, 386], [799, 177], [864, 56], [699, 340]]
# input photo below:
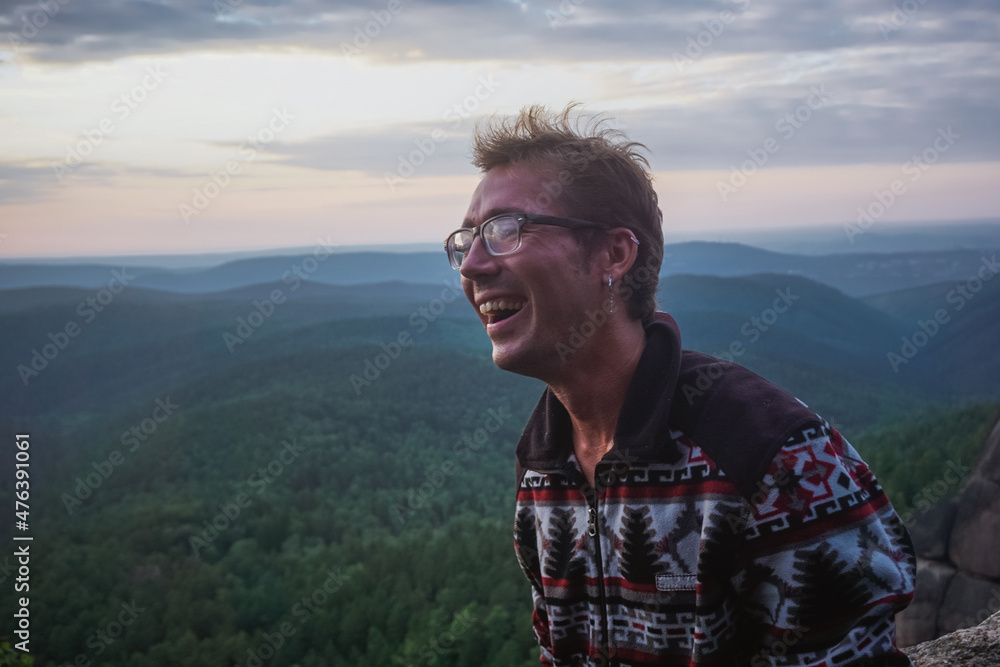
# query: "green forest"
[[200, 508]]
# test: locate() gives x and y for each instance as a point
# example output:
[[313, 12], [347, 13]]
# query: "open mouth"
[[500, 309]]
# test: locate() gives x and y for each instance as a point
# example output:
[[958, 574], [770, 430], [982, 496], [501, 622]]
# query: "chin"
[[523, 362], [502, 360], [506, 358]]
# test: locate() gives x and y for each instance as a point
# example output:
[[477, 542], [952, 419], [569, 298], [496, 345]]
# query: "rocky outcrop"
[[975, 538], [974, 647], [958, 554]]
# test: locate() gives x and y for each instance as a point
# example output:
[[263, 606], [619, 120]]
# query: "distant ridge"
[[853, 274], [209, 259], [790, 328]]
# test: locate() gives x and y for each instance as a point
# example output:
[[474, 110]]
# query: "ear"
[[620, 253]]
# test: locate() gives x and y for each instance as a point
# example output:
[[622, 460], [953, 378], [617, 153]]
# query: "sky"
[[194, 126]]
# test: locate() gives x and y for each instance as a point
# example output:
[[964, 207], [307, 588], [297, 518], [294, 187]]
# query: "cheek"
[[469, 292]]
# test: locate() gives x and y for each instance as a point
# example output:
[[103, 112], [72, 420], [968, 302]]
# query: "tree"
[[639, 557]]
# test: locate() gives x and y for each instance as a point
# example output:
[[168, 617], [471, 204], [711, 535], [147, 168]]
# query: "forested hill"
[[336, 488]]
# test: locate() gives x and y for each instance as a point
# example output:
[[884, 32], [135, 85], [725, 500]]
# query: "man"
[[672, 508]]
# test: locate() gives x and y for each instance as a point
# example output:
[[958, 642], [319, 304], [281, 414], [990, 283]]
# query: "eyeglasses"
[[502, 234]]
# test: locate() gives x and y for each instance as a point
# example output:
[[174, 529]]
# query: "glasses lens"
[[502, 235], [459, 245]]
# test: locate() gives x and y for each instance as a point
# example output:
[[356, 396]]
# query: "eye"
[[502, 235], [462, 240]]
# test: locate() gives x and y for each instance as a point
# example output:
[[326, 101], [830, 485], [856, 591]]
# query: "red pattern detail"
[[662, 546], [838, 442], [813, 480], [810, 530], [679, 489], [696, 455]]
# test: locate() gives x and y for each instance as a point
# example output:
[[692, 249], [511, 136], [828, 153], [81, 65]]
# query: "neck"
[[592, 385]]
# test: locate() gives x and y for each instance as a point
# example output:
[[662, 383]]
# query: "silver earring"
[[611, 292]]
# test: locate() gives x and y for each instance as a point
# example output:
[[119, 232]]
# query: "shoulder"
[[738, 418]]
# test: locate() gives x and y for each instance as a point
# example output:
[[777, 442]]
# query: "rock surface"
[[990, 461], [975, 537], [931, 533], [968, 602], [972, 647], [958, 552], [919, 621]]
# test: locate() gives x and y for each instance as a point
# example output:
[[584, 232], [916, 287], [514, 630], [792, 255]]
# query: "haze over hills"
[[789, 328], [880, 237], [820, 331], [858, 274], [883, 238]]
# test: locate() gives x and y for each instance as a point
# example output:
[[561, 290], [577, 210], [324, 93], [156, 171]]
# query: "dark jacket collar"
[[642, 433]]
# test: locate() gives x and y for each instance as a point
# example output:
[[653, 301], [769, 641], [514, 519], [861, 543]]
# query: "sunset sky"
[[183, 126]]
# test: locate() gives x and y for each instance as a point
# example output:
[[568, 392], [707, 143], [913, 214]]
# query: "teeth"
[[500, 304]]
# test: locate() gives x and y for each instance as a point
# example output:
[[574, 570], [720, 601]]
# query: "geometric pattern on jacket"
[[718, 534]]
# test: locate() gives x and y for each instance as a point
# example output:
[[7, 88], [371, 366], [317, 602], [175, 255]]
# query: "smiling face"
[[547, 275]]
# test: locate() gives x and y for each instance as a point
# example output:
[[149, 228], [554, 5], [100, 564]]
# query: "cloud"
[[702, 83], [21, 183], [849, 107], [433, 149], [883, 107], [72, 30]]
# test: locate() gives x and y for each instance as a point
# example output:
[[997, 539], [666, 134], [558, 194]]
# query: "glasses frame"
[[522, 219]]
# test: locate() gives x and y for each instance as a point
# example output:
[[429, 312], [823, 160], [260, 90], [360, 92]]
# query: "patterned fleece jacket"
[[730, 525]]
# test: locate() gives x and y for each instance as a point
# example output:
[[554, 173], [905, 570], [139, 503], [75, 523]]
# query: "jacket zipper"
[[592, 530]]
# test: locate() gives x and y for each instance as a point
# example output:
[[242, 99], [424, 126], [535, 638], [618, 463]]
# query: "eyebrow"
[[492, 213]]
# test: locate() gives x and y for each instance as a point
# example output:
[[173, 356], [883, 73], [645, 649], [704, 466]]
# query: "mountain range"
[[856, 274], [344, 414]]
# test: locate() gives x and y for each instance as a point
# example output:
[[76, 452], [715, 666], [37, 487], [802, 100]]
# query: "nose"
[[478, 262]]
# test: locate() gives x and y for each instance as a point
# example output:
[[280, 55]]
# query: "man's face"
[[547, 274]]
